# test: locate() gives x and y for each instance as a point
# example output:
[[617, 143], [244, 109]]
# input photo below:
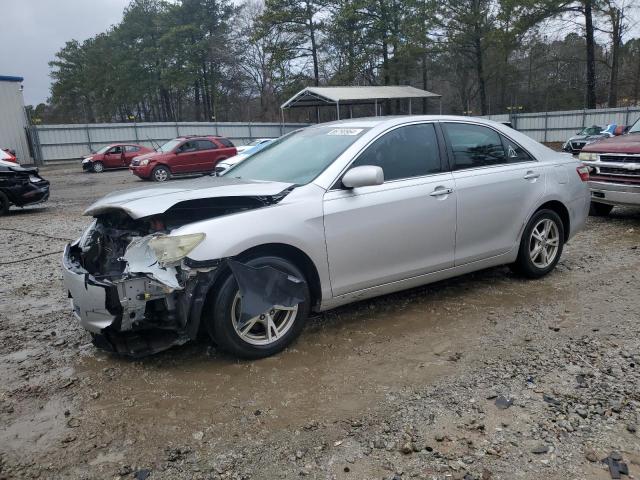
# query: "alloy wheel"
[[160, 175], [544, 243], [265, 328]]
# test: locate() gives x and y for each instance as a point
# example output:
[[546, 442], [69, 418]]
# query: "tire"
[[97, 167], [599, 209], [160, 174], [223, 307], [534, 265], [4, 204]]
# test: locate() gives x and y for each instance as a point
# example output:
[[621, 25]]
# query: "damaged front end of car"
[[131, 283]]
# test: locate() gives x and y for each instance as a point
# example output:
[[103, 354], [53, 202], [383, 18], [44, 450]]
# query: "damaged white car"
[[328, 215]]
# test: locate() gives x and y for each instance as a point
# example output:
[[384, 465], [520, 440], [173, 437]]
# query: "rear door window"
[[515, 153], [405, 152], [474, 146], [206, 145], [131, 148], [226, 142]]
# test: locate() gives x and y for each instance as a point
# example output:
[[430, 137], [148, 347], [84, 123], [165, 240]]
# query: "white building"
[[13, 118]]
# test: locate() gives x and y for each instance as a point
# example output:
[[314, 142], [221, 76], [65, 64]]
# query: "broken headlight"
[[171, 249]]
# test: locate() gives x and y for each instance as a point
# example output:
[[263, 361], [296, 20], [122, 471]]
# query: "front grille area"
[[620, 158], [619, 171]]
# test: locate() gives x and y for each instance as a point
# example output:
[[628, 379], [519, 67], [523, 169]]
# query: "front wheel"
[[541, 245], [160, 174], [599, 209], [263, 335], [97, 167]]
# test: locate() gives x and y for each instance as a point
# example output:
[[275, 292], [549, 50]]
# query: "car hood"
[[629, 143], [157, 199], [142, 156]]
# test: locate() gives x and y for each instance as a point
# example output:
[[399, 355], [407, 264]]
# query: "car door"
[[400, 229], [113, 157], [497, 184], [185, 159], [207, 155], [130, 151]]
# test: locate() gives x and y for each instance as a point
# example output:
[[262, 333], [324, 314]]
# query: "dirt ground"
[[488, 376]]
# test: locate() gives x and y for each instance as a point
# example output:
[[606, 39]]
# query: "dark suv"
[[183, 156]]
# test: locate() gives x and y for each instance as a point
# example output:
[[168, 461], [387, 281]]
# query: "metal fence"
[[559, 126], [68, 142]]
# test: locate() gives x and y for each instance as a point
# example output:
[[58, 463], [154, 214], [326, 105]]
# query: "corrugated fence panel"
[[67, 142], [559, 126], [61, 142]]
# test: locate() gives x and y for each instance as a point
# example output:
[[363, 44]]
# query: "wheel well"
[[294, 255], [562, 212]]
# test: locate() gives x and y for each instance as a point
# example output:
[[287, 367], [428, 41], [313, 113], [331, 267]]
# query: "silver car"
[[334, 213]]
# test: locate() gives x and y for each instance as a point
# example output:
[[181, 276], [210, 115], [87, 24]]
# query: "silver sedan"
[[327, 215]]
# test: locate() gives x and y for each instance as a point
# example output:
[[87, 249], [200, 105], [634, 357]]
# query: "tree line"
[[215, 60]]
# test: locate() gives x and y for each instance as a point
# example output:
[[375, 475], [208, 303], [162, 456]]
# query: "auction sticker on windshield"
[[345, 131]]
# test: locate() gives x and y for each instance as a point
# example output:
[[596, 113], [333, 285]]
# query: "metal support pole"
[[440, 105], [177, 129], [546, 125], [409, 106], [282, 122], [338, 109], [86, 126], [135, 131], [350, 111], [375, 106]]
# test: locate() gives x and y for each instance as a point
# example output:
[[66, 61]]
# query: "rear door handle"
[[530, 175], [439, 191]]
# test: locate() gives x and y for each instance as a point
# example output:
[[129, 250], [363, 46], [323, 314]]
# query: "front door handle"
[[439, 191], [531, 175]]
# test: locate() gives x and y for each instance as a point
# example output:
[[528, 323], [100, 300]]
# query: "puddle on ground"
[[400, 340]]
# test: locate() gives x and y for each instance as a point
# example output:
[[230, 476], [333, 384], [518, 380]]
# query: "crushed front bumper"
[[134, 314]]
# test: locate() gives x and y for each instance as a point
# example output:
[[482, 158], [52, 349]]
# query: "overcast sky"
[[34, 30]]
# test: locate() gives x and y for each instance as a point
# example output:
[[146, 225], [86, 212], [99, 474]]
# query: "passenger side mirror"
[[363, 176]]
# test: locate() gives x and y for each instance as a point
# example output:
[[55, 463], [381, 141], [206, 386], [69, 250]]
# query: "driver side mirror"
[[363, 176]]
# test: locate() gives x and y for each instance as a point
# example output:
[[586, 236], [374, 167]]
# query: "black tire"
[[97, 167], [599, 209], [525, 265], [218, 314], [4, 204], [160, 174]]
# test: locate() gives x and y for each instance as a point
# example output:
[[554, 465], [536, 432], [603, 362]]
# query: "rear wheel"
[[541, 245], [599, 209], [4, 204], [97, 167], [160, 174], [263, 335]]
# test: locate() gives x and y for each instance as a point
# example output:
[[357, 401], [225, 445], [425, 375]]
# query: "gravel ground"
[[487, 376]]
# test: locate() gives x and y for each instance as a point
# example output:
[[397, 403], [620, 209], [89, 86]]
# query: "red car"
[[116, 155], [183, 156]]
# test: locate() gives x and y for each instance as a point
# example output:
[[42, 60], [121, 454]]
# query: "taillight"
[[583, 171]]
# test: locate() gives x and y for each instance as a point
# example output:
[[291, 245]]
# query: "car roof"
[[371, 122]]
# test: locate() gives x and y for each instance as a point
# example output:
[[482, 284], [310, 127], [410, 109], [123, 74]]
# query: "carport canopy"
[[325, 96]]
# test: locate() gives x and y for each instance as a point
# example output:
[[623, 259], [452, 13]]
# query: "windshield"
[[169, 146], [104, 149], [635, 128], [299, 157]]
